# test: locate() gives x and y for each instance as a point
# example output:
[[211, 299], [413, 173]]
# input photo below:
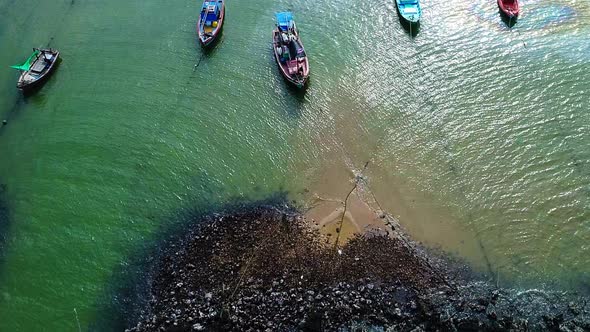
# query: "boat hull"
[[25, 84], [411, 12], [509, 8], [208, 39], [295, 80]]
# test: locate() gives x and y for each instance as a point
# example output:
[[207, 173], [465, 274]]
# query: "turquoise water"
[[469, 125]]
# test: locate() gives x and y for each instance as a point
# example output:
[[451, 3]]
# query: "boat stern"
[[205, 40], [411, 14], [412, 18], [300, 84], [512, 13]]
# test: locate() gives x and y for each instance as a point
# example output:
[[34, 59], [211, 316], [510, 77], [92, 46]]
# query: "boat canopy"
[[285, 21], [27, 64], [210, 12]]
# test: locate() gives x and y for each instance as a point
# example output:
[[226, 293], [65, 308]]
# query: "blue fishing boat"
[[409, 10], [210, 21]]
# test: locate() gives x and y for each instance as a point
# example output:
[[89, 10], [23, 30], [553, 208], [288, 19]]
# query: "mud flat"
[[265, 269]]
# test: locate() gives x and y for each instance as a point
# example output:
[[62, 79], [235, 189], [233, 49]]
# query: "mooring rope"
[[77, 320], [356, 183]]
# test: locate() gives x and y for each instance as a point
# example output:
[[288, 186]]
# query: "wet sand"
[[341, 221], [337, 151], [371, 200]]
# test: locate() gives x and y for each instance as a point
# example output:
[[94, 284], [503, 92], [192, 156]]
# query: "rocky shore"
[[265, 269]]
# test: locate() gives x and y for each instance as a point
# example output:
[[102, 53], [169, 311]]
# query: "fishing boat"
[[289, 52], [36, 68], [210, 21], [509, 8], [409, 10]]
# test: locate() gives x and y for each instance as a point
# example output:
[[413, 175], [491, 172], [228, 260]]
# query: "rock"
[[294, 283], [491, 312], [495, 295], [574, 308], [302, 324]]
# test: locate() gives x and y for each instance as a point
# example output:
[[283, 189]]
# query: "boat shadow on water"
[[4, 221], [211, 49], [411, 28], [509, 21], [295, 97], [298, 92], [32, 90]]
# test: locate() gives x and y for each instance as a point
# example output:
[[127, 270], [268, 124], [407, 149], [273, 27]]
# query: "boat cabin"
[[289, 47], [210, 14], [285, 21]]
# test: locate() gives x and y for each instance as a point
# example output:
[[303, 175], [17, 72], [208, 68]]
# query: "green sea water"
[[486, 123]]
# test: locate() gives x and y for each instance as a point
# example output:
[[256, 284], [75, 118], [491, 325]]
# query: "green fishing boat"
[[37, 68]]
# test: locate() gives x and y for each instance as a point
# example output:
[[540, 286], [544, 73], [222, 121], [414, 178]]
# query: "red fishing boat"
[[509, 7], [289, 52]]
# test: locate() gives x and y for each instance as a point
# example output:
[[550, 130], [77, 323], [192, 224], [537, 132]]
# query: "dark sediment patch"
[[11, 113], [263, 269], [4, 220], [128, 291]]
